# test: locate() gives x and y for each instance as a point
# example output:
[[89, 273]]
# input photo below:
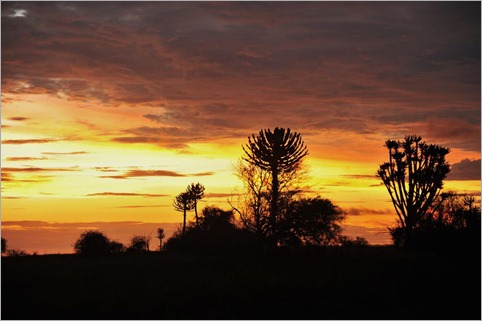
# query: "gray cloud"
[[465, 170], [244, 66]]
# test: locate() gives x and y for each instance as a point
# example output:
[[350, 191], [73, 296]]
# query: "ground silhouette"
[[308, 283]]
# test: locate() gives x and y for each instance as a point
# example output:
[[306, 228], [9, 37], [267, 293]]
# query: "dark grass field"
[[336, 283]]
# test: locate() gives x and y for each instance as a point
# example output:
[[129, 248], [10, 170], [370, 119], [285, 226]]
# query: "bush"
[[347, 241], [139, 244], [15, 252], [4, 245], [116, 247], [92, 243]]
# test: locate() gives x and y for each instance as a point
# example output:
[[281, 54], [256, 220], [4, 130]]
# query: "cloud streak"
[[29, 141], [66, 153], [135, 173], [126, 194], [22, 159]]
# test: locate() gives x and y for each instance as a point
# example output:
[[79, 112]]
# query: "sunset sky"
[[110, 109]]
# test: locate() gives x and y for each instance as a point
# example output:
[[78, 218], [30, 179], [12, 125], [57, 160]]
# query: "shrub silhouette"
[[215, 233], [347, 241], [116, 247], [452, 222], [4, 245], [92, 242], [139, 244]]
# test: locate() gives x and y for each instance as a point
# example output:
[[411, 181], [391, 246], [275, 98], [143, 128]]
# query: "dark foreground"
[[370, 283]]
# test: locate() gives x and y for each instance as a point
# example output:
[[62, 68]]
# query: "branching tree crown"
[[278, 152], [413, 176]]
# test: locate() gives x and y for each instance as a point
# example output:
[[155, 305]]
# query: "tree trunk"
[[195, 211], [274, 207], [184, 224]]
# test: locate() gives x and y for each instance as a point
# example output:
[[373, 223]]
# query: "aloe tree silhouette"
[[196, 191], [413, 177], [183, 203], [278, 152]]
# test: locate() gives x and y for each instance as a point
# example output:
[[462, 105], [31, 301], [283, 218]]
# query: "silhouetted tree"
[[311, 221], [413, 177], [139, 243], [183, 203], [278, 152], [196, 192], [4, 245], [214, 218], [160, 236], [92, 242], [253, 203]]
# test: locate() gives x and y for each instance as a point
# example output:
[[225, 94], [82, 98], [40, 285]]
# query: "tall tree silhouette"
[[278, 152], [413, 177], [183, 203], [196, 191]]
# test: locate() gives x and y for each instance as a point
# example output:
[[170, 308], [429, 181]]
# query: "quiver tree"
[[278, 152], [196, 191], [183, 203], [414, 177]]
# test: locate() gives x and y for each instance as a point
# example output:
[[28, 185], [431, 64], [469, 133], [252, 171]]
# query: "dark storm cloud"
[[245, 65]]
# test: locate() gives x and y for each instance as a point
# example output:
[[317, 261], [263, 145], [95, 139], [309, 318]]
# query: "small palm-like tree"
[[197, 192], [183, 203]]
